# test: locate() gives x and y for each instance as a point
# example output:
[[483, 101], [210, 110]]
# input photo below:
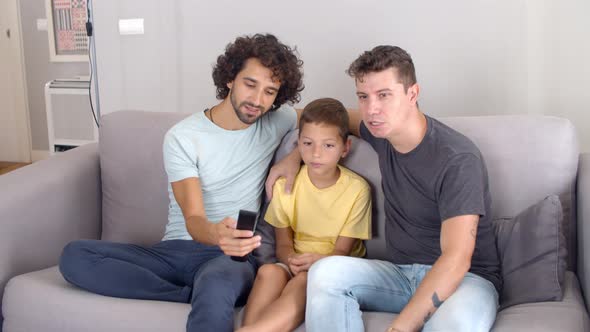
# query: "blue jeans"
[[339, 287], [174, 270]]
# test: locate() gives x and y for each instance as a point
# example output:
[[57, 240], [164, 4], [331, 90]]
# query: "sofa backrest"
[[528, 158], [134, 183]]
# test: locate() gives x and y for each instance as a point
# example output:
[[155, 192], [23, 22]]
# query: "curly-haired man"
[[216, 162]]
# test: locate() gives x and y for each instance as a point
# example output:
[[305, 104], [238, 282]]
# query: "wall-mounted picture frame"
[[66, 28]]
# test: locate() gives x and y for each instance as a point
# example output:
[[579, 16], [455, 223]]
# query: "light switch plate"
[[131, 26], [42, 24]]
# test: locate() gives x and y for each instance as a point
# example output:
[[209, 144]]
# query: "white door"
[[15, 141]]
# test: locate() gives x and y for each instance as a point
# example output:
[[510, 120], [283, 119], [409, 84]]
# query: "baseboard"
[[37, 155]]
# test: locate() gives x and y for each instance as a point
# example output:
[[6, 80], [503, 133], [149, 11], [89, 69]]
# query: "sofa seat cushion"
[[566, 315], [44, 301]]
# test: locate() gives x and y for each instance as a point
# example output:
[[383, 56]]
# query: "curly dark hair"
[[383, 57], [279, 58]]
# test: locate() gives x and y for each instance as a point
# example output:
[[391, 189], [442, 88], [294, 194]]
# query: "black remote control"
[[246, 221]]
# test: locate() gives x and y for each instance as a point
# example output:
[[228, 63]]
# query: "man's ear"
[[413, 93], [230, 84], [347, 146]]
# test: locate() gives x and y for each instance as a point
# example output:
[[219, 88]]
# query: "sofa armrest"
[[583, 222], [45, 205]]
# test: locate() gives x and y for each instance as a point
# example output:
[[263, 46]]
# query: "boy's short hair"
[[327, 111]]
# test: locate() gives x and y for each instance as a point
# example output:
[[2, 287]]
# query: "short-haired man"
[[443, 272], [216, 162]]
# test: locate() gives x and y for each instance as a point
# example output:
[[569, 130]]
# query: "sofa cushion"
[[44, 301], [566, 315], [134, 183], [528, 158], [532, 251]]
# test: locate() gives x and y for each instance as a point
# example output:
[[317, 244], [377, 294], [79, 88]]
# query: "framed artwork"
[[66, 27]]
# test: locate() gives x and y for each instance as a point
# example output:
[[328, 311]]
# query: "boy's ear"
[[347, 146]]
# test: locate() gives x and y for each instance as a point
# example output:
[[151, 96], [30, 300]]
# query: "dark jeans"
[[175, 270]]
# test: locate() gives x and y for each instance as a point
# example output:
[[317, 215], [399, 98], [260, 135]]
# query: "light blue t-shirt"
[[231, 164]]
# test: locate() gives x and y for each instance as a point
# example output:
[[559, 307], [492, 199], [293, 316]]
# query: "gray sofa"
[[117, 191]]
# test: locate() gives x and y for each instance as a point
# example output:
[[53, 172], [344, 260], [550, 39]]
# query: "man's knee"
[[326, 269], [471, 308], [73, 259], [232, 278]]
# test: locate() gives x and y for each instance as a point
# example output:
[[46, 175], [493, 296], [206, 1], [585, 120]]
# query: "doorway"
[[15, 137]]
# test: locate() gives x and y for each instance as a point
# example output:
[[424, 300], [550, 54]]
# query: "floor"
[[6, 167]]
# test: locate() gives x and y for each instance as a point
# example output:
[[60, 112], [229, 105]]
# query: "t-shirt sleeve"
[[462, 187], [358, 224], [180, 157], [285, 119], [276, 214]]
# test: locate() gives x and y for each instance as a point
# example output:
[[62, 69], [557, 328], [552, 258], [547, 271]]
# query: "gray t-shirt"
[[443, 177]]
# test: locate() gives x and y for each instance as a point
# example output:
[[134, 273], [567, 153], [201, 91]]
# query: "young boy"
[[327, 213]]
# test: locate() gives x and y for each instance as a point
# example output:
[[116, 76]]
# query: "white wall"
[[559, 62], [473, 57]]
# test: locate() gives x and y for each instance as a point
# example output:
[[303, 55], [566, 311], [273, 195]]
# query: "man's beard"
[[245, 118]]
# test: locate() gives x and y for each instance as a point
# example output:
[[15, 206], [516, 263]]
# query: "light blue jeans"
[[339, 287]]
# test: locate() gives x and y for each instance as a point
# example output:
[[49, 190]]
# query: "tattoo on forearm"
[[436, 302], [474, 232]]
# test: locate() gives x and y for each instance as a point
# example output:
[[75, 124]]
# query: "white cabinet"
[[70, 122]]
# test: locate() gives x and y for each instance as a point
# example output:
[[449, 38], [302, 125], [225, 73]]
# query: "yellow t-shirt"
[[319, 216]]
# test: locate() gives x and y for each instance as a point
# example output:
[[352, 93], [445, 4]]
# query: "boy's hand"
[[302, 262], [288, 168], [235, 242]]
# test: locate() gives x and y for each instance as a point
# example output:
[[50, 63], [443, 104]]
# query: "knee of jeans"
[[464, 315], [71, 259], [327, 270], [220, 280]]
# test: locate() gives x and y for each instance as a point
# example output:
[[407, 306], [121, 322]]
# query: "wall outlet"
[[131, 26]]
